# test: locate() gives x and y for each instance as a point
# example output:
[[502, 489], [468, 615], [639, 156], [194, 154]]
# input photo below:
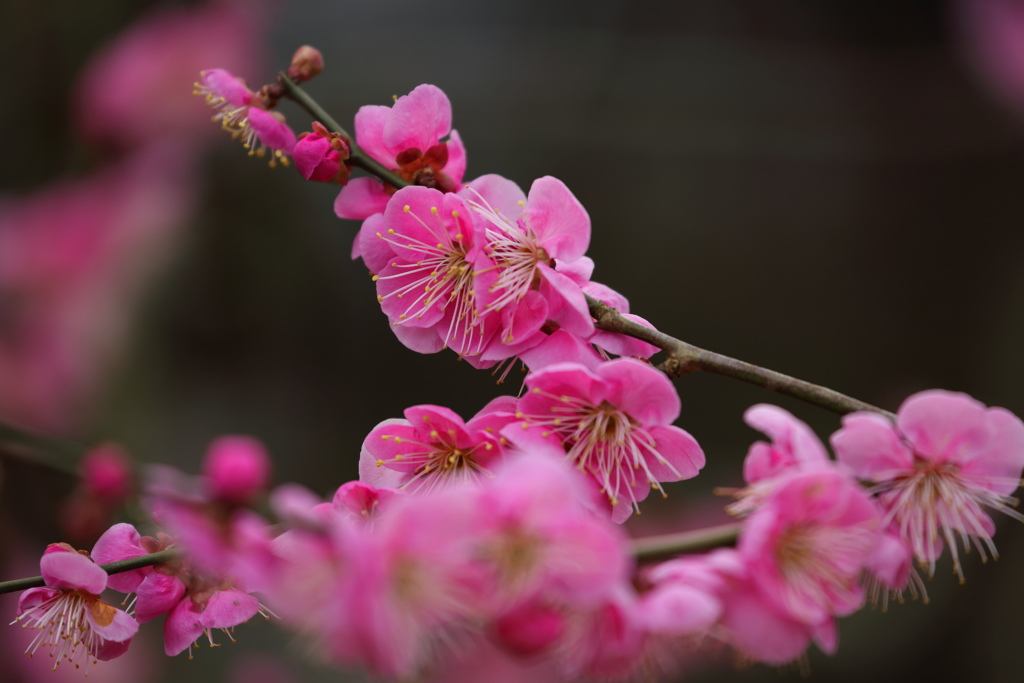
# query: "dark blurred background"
[[832, 190]]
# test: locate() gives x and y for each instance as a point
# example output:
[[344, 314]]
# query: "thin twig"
[[685, 358], [667, 545], [111, 568]]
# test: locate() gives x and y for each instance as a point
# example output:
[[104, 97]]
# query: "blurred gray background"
[[828, 189]]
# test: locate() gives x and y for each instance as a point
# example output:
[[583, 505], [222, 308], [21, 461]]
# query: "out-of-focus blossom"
[[615, 423], [992, 32], [132, 92], [936, 470], [237, 469], [196, 603], [106, 482], [72, 261], [307, 63], [71, 619]]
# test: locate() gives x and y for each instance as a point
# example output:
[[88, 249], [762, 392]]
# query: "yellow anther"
[[525, 425], [385, 437], [433, 210], [455, 214], [390, 231], [406, 208], [488, 446], [434, 434], [379, 463]]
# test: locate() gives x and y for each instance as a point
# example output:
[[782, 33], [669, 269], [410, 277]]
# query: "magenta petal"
[[369, 125], [793, 444], [868, 445], [182, 627], [111, 649], [676, 609], [220, 82], [580, 271], [229, 608], [623, 345], [360, 199], [33, 597], [566, 302], [370, 245], [418, 119], [71, 571], [942, 425], [558, 219], [157, 595], [683, 456], [456, 166], [121, 542], [640, 391], [998, 467], [272, 131], [500, 193], [419, 339], [121, 628], [561, 347]]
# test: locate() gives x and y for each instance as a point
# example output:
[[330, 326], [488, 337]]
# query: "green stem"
[[111, 568], [356, 157], [57, 454], [685, 358], [667, 545]]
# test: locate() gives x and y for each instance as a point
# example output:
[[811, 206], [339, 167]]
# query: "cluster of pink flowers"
[[498, 534], [502, 534]]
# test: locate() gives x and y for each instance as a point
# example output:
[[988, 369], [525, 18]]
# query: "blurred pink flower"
[[73, 258], [992, 32], [135, 90], [946, 460]]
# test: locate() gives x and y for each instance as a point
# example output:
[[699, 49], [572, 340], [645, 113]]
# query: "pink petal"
[[370, 246], [112, 649], [272, 131], [369, 125], [561, 347], [675, 609], [419, 339], [558, 219], [456, 166], [158, 594], [640, 391], [418, 119], [121, 542], [681, 451], [568, 307], [229, 608], [237, 469], [623, 345], [793, 444], [580, 271], [869, 446], [222, 83], [500, 193], [71, 571], [360, 199], [121, 628], [182, 627], [942, 425], [998, 467]]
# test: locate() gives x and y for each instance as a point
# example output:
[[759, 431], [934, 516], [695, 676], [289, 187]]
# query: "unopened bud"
[[306, 63]]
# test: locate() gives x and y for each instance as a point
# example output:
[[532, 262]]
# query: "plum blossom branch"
[[56, 454], [356, 156], [110, 568], [667, 545], [684, 358]]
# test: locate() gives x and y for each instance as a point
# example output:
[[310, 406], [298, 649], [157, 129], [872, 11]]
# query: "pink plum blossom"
[[196, 603], [936, 470], [807, 545], [615, 423], [432, 447], [794, 446], [245, 115], [69, 614], [426, 254], [526, 238], [405, 138]]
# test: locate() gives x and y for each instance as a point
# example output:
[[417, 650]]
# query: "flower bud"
[[106, 473], [320, 155], [306, 63], [237, 469]]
